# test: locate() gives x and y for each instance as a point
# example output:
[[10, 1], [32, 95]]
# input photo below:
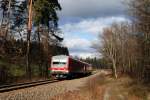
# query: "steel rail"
[[7, 88]]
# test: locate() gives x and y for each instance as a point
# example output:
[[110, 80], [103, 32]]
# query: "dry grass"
[[94, 90], [139, 90], [129, 89]]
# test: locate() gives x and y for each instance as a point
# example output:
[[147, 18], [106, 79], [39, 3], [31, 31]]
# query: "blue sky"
[[82, 20]]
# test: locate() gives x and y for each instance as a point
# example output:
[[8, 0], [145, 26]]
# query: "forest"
[[126, 45], [29, 37]]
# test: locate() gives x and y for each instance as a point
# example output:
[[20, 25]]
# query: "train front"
[[59, 66]]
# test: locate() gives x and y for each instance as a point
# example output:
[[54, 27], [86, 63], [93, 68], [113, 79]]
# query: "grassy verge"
[[140, 90], [106, 88]]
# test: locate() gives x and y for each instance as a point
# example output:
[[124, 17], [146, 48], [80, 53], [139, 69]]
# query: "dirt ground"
[[104, 87]]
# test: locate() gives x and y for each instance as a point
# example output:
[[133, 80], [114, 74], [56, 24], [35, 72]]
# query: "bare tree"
[[109, 48], [119, 46], [140, 10]]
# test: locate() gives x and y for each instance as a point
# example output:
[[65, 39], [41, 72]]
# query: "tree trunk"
[[40, 54], [114, 68], [8, 21], [47, 50], [28, 69]]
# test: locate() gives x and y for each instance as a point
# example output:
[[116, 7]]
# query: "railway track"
[[6, 88]]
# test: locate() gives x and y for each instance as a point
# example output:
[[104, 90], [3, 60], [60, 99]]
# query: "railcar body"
[[63, 66]]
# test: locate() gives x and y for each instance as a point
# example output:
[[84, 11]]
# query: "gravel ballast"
[[47, 91]]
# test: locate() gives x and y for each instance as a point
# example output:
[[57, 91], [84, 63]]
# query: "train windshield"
[[59, 63]]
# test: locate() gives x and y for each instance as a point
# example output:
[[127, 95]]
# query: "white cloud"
[[93, 26], [82, 20], [80, 35], [79, 47], [76, 42], [85, 55]]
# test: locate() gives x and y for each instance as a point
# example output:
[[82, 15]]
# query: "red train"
[[63, 66]]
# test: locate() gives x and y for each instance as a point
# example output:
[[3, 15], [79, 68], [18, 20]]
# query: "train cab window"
[[59, 63]]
